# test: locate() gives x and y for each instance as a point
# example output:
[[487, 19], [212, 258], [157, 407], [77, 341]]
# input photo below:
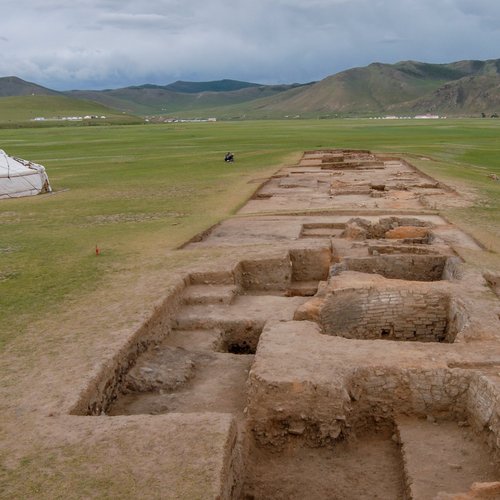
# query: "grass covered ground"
[[19, 111], [139, 191]]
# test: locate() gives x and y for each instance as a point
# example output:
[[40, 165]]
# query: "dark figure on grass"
[[229, 157]]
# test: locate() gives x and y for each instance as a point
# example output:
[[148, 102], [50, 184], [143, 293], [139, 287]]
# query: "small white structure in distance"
[[21, 177]]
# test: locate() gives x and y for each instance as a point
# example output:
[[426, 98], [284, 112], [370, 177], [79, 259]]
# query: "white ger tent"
[[21, 177]]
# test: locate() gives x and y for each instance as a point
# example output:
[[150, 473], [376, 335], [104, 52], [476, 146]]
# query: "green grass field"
[[139, 191]]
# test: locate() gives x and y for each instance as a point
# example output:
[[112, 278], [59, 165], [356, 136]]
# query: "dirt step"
[[212, 278], [249, 310], [320, 232], [209, 294], [302, 289], [196, 340], [442, 456], [217, 385]]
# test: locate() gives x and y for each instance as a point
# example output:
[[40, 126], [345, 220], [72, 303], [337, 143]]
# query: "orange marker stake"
[[97, 251]]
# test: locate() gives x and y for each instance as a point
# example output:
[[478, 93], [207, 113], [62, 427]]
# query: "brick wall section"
[[405, 267], [391, 314]]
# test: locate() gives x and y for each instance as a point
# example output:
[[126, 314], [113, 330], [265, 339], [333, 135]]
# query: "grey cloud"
[[485, 11], [390, 39], [101, 43], [138, 21], [483, 8]]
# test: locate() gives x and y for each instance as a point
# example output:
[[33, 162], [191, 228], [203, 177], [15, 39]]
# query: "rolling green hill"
[[215, 86], [166, 100], [11, 86], [24, 108]]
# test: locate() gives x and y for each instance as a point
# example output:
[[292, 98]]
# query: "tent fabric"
[[20, 177]]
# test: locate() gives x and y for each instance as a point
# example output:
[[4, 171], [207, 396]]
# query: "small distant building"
[[427, 117], [20, 177]]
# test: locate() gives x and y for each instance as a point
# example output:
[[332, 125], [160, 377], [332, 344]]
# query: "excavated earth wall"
[[353, 349]]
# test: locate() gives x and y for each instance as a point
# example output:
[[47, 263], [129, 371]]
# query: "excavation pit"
[[194, 382], [369, 467], [242, 347], [292, 275], [409, 458], [235, 338], [322, 230], [397, 248], [244, 332], [392, 314], [443, 456], [406, 230], [401, 267]]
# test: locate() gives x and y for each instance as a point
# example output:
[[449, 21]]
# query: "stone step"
[[209, 294], [189, 319], [196, 340]]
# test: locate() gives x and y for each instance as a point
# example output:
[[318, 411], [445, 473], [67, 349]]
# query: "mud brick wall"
[[310, 264], [393, 314], [352, 401], [266, 274], [400, 249], [406, 267], [383, 393], [483, 405], [368, 395]]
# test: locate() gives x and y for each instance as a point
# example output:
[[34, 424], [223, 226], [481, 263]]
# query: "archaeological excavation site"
[[343, 348]]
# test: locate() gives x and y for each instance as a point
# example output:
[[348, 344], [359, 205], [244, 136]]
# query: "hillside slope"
[[12, 86], [154, 100], [214, 86], [469, 95], [378, 88], [24, 108]]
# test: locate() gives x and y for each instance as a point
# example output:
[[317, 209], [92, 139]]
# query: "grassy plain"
[[139, 191]]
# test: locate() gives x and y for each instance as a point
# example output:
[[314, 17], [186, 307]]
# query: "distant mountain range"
[[181, 96], [466, 88]]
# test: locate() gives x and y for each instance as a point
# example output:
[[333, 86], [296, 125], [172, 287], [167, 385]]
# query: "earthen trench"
[[384, 287]]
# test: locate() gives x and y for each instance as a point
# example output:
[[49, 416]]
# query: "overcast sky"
[[77, 44]]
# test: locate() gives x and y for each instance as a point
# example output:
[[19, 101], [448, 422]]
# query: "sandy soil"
[[365, 469], [444, 457]]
